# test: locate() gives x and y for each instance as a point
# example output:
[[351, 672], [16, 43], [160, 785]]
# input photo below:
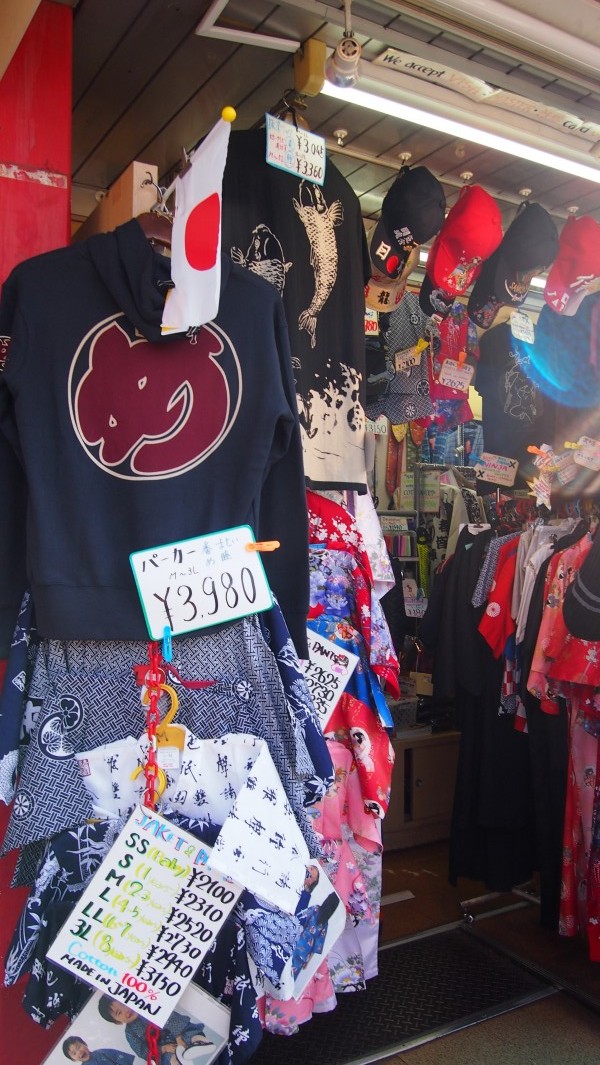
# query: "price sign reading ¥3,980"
[[207, 580]]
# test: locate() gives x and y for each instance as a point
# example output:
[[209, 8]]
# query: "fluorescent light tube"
[[407, 113]]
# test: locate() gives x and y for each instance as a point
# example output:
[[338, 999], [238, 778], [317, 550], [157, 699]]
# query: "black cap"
[[411, 213], [433, 301], [529, 245]]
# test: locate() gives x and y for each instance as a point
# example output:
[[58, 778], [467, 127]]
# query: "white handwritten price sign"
[[296, 150], [456, 375], [327, 673], [588, 453], [498, 469], [414, 606], [148, 917], [193, 584]]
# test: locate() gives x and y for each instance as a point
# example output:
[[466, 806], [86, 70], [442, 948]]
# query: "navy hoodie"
[[115, 438]]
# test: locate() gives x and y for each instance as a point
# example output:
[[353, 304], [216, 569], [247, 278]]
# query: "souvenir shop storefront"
[[300, 453]]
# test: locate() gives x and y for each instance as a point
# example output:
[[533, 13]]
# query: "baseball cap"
[[581, 606], [384, 293], [432, 301], [411, 213], [576, 270], [529, 246], [471, 233]]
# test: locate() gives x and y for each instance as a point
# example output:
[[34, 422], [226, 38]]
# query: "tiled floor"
[[560, 1030]]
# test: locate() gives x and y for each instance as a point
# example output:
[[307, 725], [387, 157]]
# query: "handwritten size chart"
[[147, 918]]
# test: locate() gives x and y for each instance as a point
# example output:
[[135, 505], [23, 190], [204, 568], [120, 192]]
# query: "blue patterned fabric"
[[14, 726], [89, 696], [276, 635]]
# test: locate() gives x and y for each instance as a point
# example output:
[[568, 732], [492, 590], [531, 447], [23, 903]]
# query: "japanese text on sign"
[[296, 150], [327, 673], [498, 469], [147, 918], [193, 584], [456, 375]]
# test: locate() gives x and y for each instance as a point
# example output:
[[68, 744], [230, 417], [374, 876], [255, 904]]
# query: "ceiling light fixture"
[[408, 113], [342, 69]]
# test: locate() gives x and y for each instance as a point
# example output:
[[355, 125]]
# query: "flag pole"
[[228, 114]]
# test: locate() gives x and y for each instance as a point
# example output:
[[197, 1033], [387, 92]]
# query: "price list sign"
[[327, 673], [295, 150], [147, 918], [193, 584]]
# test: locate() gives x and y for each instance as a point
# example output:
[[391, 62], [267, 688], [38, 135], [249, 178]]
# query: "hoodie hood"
[[137, 276]]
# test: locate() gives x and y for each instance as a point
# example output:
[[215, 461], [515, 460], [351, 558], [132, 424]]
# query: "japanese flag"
[[196, 239]]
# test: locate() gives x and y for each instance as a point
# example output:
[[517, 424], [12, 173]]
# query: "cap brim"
[[431, 300]]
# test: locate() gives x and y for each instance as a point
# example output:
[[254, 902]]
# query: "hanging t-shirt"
[[309, 242], [515, 413]]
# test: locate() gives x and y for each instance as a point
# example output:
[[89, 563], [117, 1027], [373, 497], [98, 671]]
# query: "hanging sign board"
[[147, 918], [296, 150], [327, 673], [498, 469], [193, 584]]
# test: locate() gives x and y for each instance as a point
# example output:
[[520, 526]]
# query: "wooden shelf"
[[423, 782]]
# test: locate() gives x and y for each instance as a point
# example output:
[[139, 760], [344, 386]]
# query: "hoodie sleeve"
[[283, 510], [12, 484]]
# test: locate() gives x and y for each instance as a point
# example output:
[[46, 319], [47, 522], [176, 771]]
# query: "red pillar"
[[35, 165]]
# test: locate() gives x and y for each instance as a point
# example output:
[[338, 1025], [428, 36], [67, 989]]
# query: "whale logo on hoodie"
[[152, 410]]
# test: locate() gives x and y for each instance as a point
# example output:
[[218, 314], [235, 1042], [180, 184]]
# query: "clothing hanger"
[[157, 223], [288, 109], [167, 734]]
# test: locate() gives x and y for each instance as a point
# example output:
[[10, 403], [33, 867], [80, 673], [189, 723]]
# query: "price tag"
[[588, 453], [379, 426], [521, 327], [371, 322], [327, 673], [207, 580], [391, 524], [566, 469], [414, 607], [456, 375], [296, 150], [148, 917], [406, 360], [498, 469]]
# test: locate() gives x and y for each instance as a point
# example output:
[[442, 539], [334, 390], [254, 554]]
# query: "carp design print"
[[150, 411]]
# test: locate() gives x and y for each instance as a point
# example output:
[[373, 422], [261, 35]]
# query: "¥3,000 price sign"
[[193, 584]]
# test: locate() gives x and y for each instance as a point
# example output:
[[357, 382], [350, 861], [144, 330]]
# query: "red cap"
[[471, 233], [576, 269]]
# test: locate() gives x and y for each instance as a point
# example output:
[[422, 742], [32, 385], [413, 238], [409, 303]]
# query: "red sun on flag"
[[202, 233]]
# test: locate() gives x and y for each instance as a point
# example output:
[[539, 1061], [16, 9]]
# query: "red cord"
[[153, 678]]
